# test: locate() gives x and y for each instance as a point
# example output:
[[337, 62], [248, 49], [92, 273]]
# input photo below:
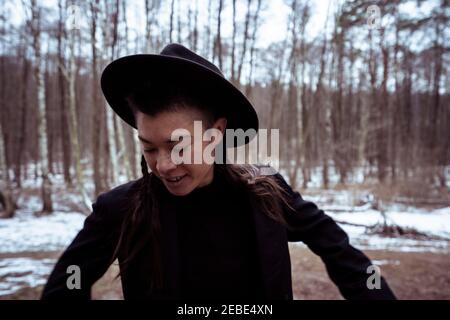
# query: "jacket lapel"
[[271, 245], [273, 252], [170, 250]]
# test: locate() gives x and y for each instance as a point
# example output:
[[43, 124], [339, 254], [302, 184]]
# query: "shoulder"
[[119, 193], [113, 204], [270, 172]]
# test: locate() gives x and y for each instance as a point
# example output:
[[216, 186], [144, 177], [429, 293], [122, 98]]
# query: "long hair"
[[141, 225]]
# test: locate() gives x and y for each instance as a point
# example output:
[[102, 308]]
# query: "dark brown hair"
[[142, 223]]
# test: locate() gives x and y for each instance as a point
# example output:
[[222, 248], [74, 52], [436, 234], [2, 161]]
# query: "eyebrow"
[[167, 141], [143, 139]]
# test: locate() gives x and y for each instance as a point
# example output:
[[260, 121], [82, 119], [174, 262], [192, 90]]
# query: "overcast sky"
[[272, 29], [274, 18]]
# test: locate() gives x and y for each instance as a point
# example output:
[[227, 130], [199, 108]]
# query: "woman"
[[202, 230]]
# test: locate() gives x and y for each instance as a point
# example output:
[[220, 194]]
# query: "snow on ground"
[[435, 223], [47, 233], [359, 175], [27, 233], [384, 262], [355, 207], [54, 232], [363, 241], [17, 273]]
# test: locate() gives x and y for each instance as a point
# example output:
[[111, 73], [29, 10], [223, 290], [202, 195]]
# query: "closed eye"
[[150, 150]]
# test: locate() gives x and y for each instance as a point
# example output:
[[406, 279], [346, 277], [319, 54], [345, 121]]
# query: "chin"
[[180, 191]]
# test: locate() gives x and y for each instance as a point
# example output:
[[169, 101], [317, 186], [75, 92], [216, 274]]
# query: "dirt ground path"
[[411, 275]]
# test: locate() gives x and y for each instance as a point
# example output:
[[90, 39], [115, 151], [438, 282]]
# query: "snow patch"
[[17, 273], [25, 232], [384, 262]]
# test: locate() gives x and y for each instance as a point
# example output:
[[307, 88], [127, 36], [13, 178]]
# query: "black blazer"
[[93, 247]]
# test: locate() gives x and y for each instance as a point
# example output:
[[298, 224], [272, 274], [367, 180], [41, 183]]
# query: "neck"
[[208, 178]]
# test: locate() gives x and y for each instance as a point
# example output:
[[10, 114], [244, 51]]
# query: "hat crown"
[[175, 61], [178, 51]]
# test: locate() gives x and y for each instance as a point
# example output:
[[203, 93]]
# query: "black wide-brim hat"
[[175, 62]]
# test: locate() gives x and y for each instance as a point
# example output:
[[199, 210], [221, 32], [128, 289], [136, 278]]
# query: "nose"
[[164, 164]]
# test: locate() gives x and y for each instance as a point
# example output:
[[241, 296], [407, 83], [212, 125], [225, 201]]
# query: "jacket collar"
[[271, 245]]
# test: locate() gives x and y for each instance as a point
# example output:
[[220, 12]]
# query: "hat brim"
[[122, 75]]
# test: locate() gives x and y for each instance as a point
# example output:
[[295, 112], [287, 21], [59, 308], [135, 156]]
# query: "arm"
[[91, 251], [346, 265]]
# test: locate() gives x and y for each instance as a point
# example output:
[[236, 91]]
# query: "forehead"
[[160, 126]]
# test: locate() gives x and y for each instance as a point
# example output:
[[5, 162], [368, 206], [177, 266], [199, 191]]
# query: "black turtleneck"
[[217, 243]]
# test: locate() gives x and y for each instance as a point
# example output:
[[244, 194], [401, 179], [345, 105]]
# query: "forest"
[[359, 91], [368, 94]]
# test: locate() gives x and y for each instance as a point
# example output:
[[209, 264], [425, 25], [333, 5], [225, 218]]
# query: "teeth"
[[176, 179]]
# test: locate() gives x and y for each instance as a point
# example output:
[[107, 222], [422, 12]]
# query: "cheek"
[[151, 163], [198, 171], [152, 166], [190, 169]]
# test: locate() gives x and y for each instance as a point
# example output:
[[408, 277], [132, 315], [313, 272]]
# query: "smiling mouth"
[[175, 179]]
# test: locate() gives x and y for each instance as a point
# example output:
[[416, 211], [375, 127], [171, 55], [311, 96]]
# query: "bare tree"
[[109, 39], [353, 98], [319, 104], [217, 51], [244, 42], [195, 31], [62, 83], [7, 202], [6, 199], [73, 119], [172, 12], [23, 109], [249, 86], [97, 118], [42, 123], [233, 44]]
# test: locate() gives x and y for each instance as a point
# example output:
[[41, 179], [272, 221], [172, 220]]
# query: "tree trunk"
[[64, 116], [172, 12], [383, 106], [23, 113], [96, 151], [233, 45], [244, 43], [43, 164], [249, 86], [7, 202]]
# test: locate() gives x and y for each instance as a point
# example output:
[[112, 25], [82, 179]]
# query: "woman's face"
[[155, 134]]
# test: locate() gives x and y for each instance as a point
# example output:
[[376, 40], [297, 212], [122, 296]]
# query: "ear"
[[220, 124]]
